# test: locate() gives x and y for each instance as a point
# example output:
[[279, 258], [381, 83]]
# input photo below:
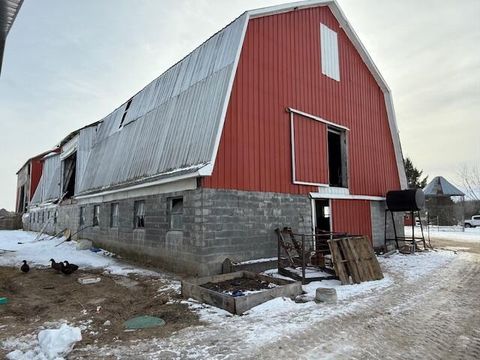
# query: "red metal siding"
[[310, 138], [35, 175], [352, 216], [280, 67]]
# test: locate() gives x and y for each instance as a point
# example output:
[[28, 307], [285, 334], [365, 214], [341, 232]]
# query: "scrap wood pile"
[[353, 257]]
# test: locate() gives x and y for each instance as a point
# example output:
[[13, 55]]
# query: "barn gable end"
[[281, 67]]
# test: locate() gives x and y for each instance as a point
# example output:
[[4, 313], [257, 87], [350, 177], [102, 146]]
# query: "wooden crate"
[[354, 258]]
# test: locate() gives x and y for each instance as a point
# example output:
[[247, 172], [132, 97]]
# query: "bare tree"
[[470, 176]]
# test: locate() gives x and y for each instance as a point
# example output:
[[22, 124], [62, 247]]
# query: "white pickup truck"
[[474, 221]]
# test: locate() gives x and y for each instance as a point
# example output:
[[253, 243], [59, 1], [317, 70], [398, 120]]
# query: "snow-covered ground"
[[447, 233], [19, 245], [260, 326]]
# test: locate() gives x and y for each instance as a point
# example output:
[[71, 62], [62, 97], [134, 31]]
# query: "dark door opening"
[[69, 170], [322, 211], [21, 202], [335, 166]]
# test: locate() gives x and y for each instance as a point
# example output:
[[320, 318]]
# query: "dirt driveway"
[[433, 316], [436, 317]]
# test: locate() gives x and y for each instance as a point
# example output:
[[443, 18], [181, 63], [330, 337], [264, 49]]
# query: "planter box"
[[192, 288]]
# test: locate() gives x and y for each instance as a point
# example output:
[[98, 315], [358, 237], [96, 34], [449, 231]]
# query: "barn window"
[[139, 218], [114, 215], [82, 216], [176, 213], [329, 53], [69, 170], [96, 215], [337, 157]]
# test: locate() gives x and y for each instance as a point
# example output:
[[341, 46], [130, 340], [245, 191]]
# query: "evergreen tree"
[[414, 175]]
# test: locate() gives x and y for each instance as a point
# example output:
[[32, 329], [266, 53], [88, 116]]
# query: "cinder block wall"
[[216, 224], [240, 224], [377, 209], [178, 251]]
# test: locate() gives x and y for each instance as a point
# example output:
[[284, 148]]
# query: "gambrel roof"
[[171, 129]]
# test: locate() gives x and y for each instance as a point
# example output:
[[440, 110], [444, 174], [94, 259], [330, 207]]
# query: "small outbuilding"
[[440, 207]]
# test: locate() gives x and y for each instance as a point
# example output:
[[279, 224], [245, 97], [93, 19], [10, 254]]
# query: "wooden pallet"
[[353, 257]]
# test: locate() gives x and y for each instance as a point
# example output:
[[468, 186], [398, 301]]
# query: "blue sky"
[[69, 63]]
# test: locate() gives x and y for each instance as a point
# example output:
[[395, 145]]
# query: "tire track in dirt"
[[433, 318]]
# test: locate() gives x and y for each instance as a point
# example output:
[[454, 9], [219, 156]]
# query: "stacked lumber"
[[354, 260]]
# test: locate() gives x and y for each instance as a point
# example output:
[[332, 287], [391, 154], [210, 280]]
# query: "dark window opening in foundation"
[[176, 213], [337, 158], [82, 216], [69, 170], [139, 219], [114, 215], [96, 215]]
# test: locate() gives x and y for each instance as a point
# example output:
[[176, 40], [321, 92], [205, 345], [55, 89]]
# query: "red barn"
[[28, 178], [280, 119]]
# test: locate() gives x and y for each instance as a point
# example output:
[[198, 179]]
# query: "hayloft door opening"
[[337, 159], [323, 214], [69, 171]]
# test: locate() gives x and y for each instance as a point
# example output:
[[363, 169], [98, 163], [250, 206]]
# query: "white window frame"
[[292, 141]]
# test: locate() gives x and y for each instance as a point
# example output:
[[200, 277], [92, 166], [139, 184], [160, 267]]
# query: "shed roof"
[[439, 186]]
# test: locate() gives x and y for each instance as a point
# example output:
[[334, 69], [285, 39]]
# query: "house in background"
[[280, 119]]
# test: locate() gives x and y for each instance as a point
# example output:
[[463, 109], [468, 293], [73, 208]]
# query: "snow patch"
[[50, 344], [417, 265], [453, 233], [59, 342]]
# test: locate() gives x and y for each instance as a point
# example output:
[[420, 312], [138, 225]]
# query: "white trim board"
[[316, 118], [226, 101], [292, 143], [187, 183], [346, 197], [293, 157]]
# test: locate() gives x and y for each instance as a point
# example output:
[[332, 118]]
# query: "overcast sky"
[[69, 63]]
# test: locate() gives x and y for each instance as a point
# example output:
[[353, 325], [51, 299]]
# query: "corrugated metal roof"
[[8, 12], [172, 123], [439, 186]]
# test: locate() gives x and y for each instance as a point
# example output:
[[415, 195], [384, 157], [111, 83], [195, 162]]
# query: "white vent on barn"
[[329, 53]]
